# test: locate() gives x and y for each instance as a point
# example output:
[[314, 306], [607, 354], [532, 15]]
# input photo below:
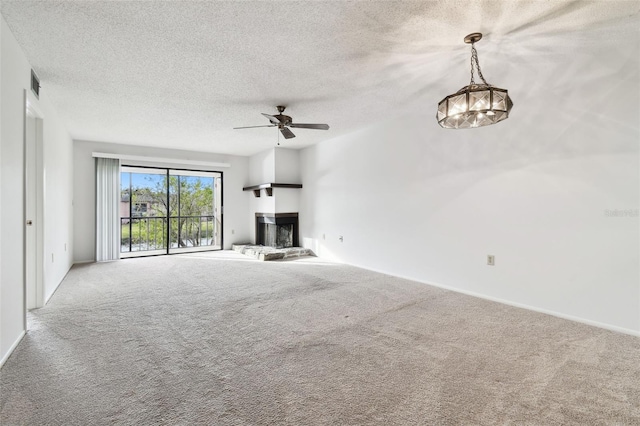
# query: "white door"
[[33, 196]]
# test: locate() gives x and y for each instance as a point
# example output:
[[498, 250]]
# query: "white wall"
[[15, 78], [261, 170], [275, 165], [262, 167], [287, 170], [287, 200], [536, 191], [287, 165], [58, 198], [3, 352], [237, 226]]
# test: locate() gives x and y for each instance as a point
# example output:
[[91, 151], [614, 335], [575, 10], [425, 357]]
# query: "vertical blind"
[[107, 209]]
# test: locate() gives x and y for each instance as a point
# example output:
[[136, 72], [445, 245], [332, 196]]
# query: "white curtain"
[[107, 209]]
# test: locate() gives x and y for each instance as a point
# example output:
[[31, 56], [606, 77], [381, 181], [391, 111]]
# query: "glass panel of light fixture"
[[450, 122], [484, 120], [442, 110], [466, 121], [498, 100], [457, 104], [479, 101], [501, 116]]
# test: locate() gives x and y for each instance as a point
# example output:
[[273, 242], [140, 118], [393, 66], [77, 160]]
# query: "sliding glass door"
[[169, 211], [194, 211], [143, 211]]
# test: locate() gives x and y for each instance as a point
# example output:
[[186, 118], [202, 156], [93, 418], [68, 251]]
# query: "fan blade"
[[288, 134], [253, 127], [272, 118], [310, 126]]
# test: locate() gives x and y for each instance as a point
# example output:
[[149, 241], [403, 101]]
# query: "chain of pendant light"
[[474, 62]]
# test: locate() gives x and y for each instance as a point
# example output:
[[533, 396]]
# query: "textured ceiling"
[[182, 74]]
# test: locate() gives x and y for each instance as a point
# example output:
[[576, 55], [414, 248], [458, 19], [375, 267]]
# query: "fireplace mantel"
[[268, 187]]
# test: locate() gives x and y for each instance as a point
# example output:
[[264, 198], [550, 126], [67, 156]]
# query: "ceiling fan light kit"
[[475, 105], [283, 122]]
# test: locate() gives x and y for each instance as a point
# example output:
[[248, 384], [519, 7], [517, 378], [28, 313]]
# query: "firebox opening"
[[279, 230]]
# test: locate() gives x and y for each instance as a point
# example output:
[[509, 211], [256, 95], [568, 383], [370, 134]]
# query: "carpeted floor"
[[218, 339]]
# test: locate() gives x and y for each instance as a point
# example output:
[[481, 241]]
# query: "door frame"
[[33, 180]]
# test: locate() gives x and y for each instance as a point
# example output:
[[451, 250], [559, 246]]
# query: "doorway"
[[33, 205], [167, 211]]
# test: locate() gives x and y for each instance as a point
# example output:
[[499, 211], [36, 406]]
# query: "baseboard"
[[544, 311], [12, 348], [605, 326], [80, 262]]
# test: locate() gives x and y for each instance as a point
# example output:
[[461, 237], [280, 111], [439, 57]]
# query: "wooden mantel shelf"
[[268, 187], [272, 185]]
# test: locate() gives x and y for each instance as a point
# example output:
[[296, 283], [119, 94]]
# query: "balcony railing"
[[159, 233]]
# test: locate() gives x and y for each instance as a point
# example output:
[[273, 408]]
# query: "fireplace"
[[277, 230]]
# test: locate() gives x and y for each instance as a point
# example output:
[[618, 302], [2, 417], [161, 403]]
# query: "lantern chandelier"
[[477, 104]]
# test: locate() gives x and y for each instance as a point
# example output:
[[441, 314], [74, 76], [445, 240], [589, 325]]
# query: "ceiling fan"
[[283, 122]]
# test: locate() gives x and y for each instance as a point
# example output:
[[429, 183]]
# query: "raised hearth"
[[270, 253]]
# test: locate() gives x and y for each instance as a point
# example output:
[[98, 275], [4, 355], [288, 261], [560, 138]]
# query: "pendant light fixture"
[[475, 105]]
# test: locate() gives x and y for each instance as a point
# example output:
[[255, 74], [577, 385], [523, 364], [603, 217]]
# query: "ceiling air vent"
[[35, 84]]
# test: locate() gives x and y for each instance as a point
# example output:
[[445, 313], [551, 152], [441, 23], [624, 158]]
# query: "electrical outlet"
[[324, 237], [65, 246], [491, 260], [233, 231], [51, 257]]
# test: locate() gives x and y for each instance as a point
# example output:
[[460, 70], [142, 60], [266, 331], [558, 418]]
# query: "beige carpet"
[[218, 339]]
